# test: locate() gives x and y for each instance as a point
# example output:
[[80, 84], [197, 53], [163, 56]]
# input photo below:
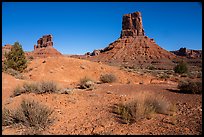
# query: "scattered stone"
[[109, 92], [66, 91], [82, 67]]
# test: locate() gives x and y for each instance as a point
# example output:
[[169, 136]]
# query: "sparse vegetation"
[[86, 83], [190, 87], [151, 67], [141, 107], [108, 78], [7, 117], [39, 88], [30, 58], [164, 76], [181, 68], [14, 73], [15, 59], [31, 114]]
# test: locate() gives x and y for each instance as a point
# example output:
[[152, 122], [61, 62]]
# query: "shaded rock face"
[[44, 47], [132, 25]]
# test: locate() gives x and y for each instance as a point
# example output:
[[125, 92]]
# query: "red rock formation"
[[188, 53], [45, 41], [133, 48], [44, 47], [132, 25]]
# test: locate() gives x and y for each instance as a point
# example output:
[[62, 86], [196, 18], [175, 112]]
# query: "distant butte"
[[44, 47]]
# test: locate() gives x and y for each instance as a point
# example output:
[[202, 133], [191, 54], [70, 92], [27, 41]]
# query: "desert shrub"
[[181, 68], [7, 117], [151, 67], [15, 59], [39, 88], [14, 73], [190, 87], [164, 76], [31, 87], [142, 107], [86, 83], [36, 115], [31, 114], [108, 78], [47, 87], [18, 91]]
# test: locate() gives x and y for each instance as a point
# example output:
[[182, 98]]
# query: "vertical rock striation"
[[132, 25]]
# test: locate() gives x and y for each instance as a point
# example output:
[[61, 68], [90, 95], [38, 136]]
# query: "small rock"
[[109, 92]]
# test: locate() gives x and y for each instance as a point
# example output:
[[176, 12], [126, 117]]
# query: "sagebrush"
[[108, 78], [38, 88], [86, 83], [192, 87], [30, 114], [143, 106]]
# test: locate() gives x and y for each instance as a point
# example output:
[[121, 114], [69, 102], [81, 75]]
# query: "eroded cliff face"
[[45, 41], [132, 25]]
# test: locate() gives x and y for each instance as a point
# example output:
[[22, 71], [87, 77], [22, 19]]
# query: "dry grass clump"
[[39, 88], [14, 73], [108, 78], [86, 83], [30, 114], [190, 87], [142, 107], [7, 117]]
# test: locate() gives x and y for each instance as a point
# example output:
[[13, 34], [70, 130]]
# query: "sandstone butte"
[[133, 47]]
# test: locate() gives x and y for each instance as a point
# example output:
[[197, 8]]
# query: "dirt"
[[90, 111]]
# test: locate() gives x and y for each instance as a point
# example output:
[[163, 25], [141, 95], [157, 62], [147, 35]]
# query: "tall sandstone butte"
[[133, 48], [44, 47], [132, 25]]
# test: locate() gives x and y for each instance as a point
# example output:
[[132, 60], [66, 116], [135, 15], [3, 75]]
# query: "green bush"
[[16, 59], [142, 106], [181, 68], [108, 78], [31, 114], [190, 87]]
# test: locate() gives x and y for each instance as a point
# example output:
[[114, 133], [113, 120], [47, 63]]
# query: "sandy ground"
[[90, 111]]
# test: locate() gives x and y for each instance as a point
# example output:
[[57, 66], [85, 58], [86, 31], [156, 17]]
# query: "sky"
[[80, 27]]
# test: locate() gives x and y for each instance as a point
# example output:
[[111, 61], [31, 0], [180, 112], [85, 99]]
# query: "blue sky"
[[79, 27]]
